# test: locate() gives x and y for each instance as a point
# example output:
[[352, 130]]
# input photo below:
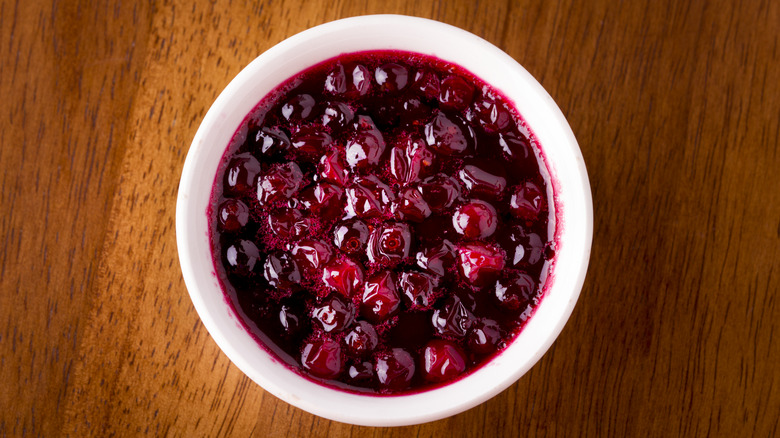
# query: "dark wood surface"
[[675, 106]]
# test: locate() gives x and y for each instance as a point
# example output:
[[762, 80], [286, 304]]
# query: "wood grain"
[[675, 106]]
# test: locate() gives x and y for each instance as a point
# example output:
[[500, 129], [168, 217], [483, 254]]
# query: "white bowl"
[[570, 188]]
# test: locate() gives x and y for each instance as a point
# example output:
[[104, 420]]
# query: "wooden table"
[[676, 106]]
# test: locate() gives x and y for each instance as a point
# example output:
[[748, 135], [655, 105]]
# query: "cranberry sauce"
[[380, 222]]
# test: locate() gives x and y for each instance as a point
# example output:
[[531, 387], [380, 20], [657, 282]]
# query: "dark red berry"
[[366, 145], [324, 200], [475, 219], [368, 197], [484, 336], [281, 271], [526, 201], [280, 183], [233, 215], [351, 237], [336, 80], [241, 175], [410, 206], [241, 257], [344, 276], [391, 77], [322, 358], [395, 369], [272, 141], [419, 289], [426, 84], [442, 360], [361, 373], [523, 248], [334, 314], [437, 259], [337, 116], [361, 81], [410, 160], [299, 108], [452, 320], [361, 339], [311, 141], [389, 244], [380, 299], [440, 192], [480, 263], [311, 255], [288, 223], [333, 168], [449, 135], [486, 179], [456, 93], [516, 292], [493, 115]]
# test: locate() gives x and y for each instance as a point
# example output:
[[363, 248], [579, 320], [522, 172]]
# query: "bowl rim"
[[417, 407]]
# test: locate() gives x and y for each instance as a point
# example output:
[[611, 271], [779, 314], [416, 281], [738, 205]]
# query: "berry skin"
[[389, 244], [322, 358], [480, 263], [391, 77], [351, 237], [410, 206], [438, 258], [288, 223], [475, 220], [419, 290], [366, 146], [449, 135], [440, 192], [344, 276], [453, 320], [456, 93], [280, 183], [281, 271], [478, 180], [380, 300], [311, 255], [395, 369], [334, 314], [484, 336], [233, 215], [241, 175], [361, 339], [442, 361], [299, 108], [241, 257], [515, 293], [527, 201]]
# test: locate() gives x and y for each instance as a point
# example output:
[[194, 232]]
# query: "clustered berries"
[[381, 222]]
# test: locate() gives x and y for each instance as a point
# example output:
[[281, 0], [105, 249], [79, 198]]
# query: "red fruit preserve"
[[380, 222]]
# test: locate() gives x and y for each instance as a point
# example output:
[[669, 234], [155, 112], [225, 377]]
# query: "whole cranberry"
[[280, 183], [241, 257], [486, 179], [299, 108], [440, 192], [410, 206], [361, 82], [334, 314], [366, 146], [324, 201], [233, 215], [414, 112], [361, 339], [394, 369], [322, 358], [475, 219], [516, 292], [410, 160], [456, 93], [311, 141], [527, 201], [391, 77], [368, 197], [438, 258], [333, 168], [426, 84], [380, 300], [271, 141], [453, 319], [523, 248], [442, 360], [336, 80], [311, 255], [449, 135], [288, 223], [337, 116], [281, 271], [241, 175], [484, 336], [360, 373], [480, 263], [351, 236], [389, 244], [493, 115], [419, 289], [344, 276]]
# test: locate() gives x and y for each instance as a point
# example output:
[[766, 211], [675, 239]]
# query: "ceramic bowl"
[[570, 190]]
